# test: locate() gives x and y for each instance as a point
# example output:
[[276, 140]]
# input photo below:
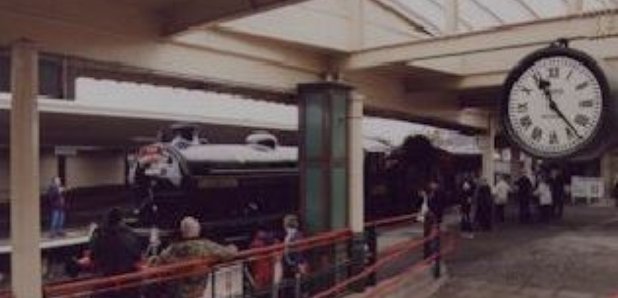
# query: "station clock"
[[556, 103]]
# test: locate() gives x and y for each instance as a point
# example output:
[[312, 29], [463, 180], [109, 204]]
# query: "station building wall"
[[85, 169], [48, 166], [96, 168]]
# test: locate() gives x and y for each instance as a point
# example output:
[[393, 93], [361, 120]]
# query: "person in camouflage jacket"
[[192, 247]]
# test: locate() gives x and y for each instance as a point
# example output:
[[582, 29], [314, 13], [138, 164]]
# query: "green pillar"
[[323, 109]]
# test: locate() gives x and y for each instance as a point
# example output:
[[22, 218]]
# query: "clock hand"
[[554, 107], [544, 86]]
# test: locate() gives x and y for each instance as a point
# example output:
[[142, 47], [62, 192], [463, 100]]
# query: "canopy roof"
[[353, 25], [482, 14]]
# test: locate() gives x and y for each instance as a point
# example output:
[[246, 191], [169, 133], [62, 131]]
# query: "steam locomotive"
[[247, 184]]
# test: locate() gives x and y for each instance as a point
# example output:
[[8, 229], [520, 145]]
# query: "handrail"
[[389, 285], [391, 221], [408, 246], [186, 268]]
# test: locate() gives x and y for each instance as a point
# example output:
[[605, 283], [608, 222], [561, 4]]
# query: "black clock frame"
[[594, 143]]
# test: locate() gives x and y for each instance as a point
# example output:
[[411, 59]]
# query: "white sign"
[[228, 282], [65, 150], [587, 187]]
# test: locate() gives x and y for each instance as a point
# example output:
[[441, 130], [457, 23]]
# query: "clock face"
[[554, 105]]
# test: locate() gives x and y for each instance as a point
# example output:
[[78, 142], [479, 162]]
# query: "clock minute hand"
[[554, 107], [544, 85]]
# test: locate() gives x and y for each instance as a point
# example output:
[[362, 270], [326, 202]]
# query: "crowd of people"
[[540, 198], [115, 248]]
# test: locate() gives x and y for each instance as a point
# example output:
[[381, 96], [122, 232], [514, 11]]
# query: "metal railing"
[[333, 269]]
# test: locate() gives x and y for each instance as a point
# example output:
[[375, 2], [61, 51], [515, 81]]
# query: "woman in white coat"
[[543, 192]]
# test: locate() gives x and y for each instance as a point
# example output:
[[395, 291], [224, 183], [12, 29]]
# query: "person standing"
[[501, 197], [615, 190], [467, 193], [543, 191], [556, 184], [484, 202], [262, 269], [57, 202], [524, 195], [192, 247], [293, 261], [115, 249]]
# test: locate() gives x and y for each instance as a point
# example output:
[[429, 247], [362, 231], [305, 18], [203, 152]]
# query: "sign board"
[[587, 187], [65, 150], [225, 282]]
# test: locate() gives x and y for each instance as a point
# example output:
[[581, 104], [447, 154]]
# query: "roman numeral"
[[569, 75], [525, 89], [522, 107], [537, 134], [582, 120], [569, 134], [525, 122], [554, 72], [581, 86], [553, 138], [586, 104]]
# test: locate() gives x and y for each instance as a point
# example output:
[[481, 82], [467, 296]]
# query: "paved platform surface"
[[574, 258]]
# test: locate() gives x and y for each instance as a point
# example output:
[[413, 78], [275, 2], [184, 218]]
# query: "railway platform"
[[575, 257]]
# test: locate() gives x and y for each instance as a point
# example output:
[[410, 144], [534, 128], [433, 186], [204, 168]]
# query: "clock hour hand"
[[544, 86]]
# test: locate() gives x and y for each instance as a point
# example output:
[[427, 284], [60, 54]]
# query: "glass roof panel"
[[483, 14], [592, 5], [546, 8], [476, 15], [509, 11], [427, 12]]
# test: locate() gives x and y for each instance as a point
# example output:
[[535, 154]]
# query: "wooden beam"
[[535, 33], [183, 15], [250, 64]]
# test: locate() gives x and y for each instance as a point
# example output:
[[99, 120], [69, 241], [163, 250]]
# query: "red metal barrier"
[[158, 274], [163, 273], [391, 222], [404, 248], [392, 284]]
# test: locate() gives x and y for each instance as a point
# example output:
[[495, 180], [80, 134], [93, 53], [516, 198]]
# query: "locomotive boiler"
[[255, 183]]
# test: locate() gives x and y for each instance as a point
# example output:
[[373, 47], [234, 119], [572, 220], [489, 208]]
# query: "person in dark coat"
[[437, 200], [484, 203], [524, 195], [115, 249], [556, 184], [615, 190]]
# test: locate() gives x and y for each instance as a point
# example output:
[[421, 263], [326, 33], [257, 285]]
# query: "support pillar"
[[488, 145], [24, 195], [331, 173], [356, 191], [324, 155]]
